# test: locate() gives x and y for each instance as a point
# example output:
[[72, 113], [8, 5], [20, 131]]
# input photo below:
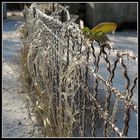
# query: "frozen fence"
[[67, 92]]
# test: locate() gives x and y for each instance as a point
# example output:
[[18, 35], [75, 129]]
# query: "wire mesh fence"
[[69, 81]]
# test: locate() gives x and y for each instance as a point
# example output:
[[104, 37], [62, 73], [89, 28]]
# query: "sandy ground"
[[14, 112]]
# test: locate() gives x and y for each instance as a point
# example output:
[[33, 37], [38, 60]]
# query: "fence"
[[69, 90]]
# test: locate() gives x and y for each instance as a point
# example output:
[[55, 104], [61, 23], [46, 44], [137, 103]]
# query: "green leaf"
[[98, 32], [99, 37], [86, 31], [105, 27]]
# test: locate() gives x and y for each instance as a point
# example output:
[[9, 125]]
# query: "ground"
[[14, 112]]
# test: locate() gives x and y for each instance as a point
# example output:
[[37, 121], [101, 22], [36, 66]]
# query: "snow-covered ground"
[[14, 113], [15, 122]]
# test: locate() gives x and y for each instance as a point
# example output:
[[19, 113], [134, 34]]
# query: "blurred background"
[[124, 14]]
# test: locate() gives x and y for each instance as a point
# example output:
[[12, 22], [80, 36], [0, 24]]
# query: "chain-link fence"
[[69, 81]]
